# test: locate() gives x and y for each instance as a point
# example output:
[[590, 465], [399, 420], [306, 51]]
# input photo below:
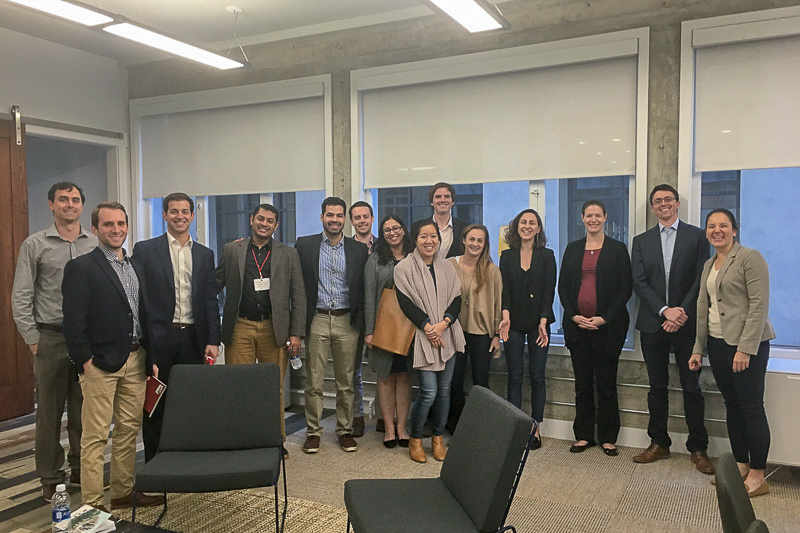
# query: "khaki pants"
[[56, 384], [255, 341], [330, 335], [106, 395]]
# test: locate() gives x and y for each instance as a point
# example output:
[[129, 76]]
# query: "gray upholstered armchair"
[[221, 431]]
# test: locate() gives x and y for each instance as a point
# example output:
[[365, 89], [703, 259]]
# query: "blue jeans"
[[434, 390], [537, 363]]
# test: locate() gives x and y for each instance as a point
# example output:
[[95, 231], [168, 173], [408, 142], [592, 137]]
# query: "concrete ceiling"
[[207, 23]]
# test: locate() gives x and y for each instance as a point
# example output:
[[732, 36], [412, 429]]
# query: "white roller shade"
[[259, 148], [747, 107], [560, 122]]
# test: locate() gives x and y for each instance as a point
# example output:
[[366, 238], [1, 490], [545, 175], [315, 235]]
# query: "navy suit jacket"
[[152, 257], [355, 257], [649, 279], [97, 316]]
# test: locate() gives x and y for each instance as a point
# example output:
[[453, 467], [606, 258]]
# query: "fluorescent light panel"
[[167, 44], [470, 14], [66, 10]]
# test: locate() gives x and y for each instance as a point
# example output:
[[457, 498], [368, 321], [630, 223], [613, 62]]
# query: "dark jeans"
[[479, 357], [537, 363], [656, 347], [594, 364], [434, 390], [743, 392], [180, 348]]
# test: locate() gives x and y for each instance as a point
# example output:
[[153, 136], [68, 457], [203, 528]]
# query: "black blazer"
[[97, 316], [614, 287], [153, 257], [457, 248], [649, 279], [355, 258], [528, 296]]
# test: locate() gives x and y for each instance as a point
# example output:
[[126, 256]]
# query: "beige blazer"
[[743, 300]]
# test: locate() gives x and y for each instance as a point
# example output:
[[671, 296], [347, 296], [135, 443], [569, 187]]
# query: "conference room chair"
[[735, 509]]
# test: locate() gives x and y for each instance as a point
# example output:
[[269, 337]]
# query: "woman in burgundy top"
[[594, 287]]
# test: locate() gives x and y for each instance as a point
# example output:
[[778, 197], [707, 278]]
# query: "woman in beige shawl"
[[428, 291]]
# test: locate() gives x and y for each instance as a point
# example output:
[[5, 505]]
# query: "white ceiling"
[[206, 22]]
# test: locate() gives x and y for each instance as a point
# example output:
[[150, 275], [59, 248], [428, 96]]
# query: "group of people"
[[99, 323]]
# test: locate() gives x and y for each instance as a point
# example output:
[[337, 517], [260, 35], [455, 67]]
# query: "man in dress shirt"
[[106, 330], [667, 261], [36, 305], [182, 301], [265, 304], [442, 196], [361, 218], [333, 274]]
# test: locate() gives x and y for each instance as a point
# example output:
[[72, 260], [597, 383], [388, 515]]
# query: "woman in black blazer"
[[529, 285], [594, 286]]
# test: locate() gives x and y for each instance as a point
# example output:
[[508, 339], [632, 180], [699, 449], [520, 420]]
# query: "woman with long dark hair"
[[529, 286]]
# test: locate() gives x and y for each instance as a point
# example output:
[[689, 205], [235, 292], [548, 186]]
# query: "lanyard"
[[259, 267]]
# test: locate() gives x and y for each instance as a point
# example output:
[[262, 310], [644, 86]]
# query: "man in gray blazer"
[[666, 262], [265, 305]]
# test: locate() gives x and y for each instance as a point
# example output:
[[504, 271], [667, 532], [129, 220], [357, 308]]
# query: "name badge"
[[261, 284]]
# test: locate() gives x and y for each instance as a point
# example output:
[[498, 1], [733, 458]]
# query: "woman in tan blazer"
[[734, 329]]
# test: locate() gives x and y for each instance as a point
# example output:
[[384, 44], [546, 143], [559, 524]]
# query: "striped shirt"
[[332, 290], [127, 276]]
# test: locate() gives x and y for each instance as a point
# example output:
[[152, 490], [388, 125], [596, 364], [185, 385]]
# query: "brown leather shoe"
[[439, 449], [415, 450], [702, 462], [312, 444], [348, 443], [653, 453], [47, 491], [142, 500], [358, 426]]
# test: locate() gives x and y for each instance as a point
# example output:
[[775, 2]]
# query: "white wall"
[[56, 83]]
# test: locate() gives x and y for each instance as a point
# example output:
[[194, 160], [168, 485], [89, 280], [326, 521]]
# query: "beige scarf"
[[412, 277]]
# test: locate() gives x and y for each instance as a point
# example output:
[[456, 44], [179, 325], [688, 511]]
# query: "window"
[[411, 203], [770, 199]]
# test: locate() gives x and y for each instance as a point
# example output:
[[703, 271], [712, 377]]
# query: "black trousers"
[[479, 357], [593, 364], [656, 347], [743, 392], [180, 348]]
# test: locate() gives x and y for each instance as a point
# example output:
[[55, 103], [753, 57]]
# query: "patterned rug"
[[241, 511]]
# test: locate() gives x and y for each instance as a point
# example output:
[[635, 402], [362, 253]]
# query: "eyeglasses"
[[667, 200], [395, 229]]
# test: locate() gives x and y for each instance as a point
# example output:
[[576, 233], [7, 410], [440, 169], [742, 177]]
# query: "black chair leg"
[[279, 526], [507, 528], [158, 520], [133, 512], [348, 523]]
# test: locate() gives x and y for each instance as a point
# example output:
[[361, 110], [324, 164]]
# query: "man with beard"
[[333, 274]]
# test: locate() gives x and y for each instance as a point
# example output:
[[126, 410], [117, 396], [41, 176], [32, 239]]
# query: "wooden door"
[[16, 361]]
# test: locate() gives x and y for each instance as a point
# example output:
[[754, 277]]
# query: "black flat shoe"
[[536, 444], [403, 443], [611, 452], [575, 448], [390, 443]]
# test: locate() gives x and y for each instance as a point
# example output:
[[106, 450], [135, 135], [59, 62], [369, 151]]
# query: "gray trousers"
[[56, 385]]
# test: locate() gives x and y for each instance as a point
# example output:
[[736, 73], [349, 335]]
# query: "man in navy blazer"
[[107, 335], [667, 261], [333, 275], [182, 301]]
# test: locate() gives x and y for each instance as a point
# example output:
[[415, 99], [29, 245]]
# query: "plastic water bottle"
[[61, 515], [294, 360]]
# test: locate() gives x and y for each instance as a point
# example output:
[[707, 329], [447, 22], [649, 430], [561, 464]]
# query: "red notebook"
[[155, 390]]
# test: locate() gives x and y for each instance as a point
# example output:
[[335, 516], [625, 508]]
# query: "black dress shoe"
[[403, 443], [536, 444], [576, 448], [611, 452], [390, 443]]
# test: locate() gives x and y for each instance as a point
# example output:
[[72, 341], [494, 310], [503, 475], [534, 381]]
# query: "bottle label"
[[60, 515]]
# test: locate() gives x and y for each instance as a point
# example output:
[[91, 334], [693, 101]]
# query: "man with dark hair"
[[36, 306], [333, 274], [265, 314], [667, 261], [361, 218], [182, 301], [107, 333], [442, 196]]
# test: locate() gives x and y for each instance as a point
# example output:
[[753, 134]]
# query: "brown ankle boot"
[[439, 450], [415, 450]]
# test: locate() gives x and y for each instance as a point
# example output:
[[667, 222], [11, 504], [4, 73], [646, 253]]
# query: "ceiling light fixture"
[[153, 39], [474, 15], [67, 10]]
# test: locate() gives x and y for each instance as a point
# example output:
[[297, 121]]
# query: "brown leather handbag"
[[393, 331]]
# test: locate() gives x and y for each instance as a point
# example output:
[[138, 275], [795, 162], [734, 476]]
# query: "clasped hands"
[[675, 318], [434, 333], [592, 323]]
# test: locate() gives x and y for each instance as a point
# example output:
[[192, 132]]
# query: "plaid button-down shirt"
[[127, 276]]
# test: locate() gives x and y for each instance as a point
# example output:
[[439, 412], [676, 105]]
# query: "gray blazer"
[[743, 300], [287, 295], [376, 278]]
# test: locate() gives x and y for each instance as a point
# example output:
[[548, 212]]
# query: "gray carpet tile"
[[671, 502]]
